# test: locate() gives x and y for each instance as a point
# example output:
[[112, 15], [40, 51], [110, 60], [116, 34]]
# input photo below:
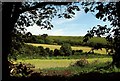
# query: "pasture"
[[53, 63], [84, 48], [78, 39]]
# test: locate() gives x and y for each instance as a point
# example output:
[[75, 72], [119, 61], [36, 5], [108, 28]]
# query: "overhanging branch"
[[40, 5]]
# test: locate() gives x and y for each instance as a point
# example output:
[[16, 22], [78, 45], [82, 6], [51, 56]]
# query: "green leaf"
[[104, 19], [86, 10]]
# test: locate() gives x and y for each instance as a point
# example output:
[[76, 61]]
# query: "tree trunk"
[[8, 25], [116, 57]]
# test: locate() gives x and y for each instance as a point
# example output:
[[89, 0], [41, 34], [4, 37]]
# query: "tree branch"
[[40, 5]]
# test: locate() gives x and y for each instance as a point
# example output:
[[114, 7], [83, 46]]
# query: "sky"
[[77, 26]]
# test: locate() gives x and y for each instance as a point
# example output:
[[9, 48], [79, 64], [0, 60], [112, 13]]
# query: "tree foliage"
[[107, 12], [66, 49], [25, 14], [18, 15]]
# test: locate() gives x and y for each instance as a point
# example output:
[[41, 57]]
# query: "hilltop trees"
[[44, 36]]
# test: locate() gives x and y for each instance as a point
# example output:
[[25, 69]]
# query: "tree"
[[42, 51], [18, 15], [66, 49], [96, 47], [107, 12], [51, 53], [27, 14], [44, 36], [47, 51], [57, 52]]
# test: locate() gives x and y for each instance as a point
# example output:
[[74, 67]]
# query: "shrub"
[[66, 49], [41, 41], [48, 41], [81, 63], [80, 51], [57, 52], [73, 51], [51, 53], [76, 53], [20, 69], [42, 51], [47, 50]]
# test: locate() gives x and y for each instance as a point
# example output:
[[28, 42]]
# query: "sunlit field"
[[53, 63], [84, 48]]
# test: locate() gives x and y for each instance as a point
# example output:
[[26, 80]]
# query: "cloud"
[[59, 21], [57, 32], [36, 30]]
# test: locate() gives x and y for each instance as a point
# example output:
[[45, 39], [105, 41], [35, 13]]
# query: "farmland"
[[53, 63], [84, 48], [49, 59], [49, 64], [77, 39], [72, 40]]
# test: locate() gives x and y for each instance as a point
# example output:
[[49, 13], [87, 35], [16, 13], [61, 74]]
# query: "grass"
[[77, 56], [76, 70], [84, 48], [77, 39], [63, 67], [53, 63]]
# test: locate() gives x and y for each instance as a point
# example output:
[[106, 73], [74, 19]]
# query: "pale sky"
[[77, 26]]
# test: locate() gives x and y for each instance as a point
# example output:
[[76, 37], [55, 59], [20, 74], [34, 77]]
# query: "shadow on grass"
[[93, 76]]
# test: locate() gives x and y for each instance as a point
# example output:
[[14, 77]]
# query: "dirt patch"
[[54, 73]]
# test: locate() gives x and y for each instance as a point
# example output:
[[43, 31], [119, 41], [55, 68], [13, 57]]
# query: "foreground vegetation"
[[71, 67]]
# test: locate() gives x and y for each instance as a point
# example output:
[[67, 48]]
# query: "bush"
[[57, 52], [66, 49], [47, 50], [20, 69], [81, 63], [73, 51], [42, 51], [80, 51], [51, 53], [41, 41], [48, 41], [76, 53]]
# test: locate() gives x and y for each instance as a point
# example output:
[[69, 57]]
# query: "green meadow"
[[53, 63], [77, 39]]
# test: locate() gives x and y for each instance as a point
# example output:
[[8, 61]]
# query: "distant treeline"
[[72, 40], [29, 51], [65, 41]]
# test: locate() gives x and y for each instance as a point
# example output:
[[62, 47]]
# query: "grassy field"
[[53, 63], [84, 48], [77, 39]]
